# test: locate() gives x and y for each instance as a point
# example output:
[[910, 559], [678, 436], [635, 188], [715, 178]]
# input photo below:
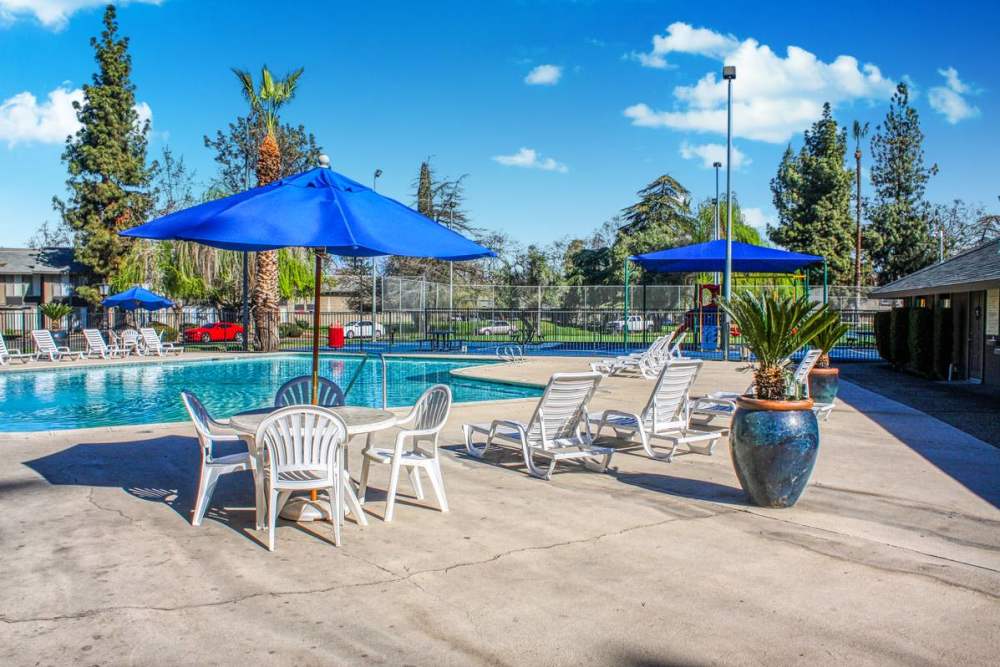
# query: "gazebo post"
[[826, 295], [625, 317]]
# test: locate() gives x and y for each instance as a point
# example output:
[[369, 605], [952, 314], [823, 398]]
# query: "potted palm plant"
[[775, 437], [56, 312], [824, 380]]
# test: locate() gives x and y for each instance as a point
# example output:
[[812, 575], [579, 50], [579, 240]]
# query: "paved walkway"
[[891, 557]]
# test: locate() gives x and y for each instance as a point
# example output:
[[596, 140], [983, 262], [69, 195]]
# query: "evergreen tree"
[[900, 236], [660, 219], [106, 159], [425, 190], [812, 194], [705, 223]]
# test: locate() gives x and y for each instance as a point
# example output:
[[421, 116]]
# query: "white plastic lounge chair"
[[558, 429], [298, 391], [97, 347], [425, 422], [630, 361], [151, 341], [648, 363], [209, 432], [666, 414], [46, 347], [305, 452], [723, 403], [6, 354]]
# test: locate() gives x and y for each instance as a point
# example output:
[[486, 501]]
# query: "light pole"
[[375, 177], [451, 265], [715, 237], [728, 74]]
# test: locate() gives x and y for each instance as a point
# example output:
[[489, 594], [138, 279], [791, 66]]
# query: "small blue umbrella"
[[135, 298]]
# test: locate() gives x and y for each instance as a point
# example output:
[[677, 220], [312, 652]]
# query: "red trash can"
[[335, 337]]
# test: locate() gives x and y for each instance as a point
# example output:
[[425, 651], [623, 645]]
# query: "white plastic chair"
[[665, 415], [298, 391], [649, 362], [425, 421], [209, 432], [151, 341], [131, 341], [6, 354], [558, 430], [47, 347], [305, 452], [97, 347]]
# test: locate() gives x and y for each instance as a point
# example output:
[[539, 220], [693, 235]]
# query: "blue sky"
[[558, 111]]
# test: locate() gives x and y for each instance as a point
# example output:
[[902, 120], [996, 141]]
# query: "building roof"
[[974, 269], [39, 260]]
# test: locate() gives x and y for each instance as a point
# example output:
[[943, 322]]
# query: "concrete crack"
[[92, 501]]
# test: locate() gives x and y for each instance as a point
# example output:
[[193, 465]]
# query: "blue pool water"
[[149, 393]]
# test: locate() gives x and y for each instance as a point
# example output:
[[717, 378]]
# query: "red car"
[[217, 332]]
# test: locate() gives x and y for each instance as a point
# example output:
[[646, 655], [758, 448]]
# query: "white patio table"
[[358, 420]]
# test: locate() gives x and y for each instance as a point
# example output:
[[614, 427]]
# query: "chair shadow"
[[160, 470], [508, 458]]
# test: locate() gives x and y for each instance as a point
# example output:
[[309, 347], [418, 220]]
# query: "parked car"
[[635, 323], [497, 327], [216, 332], [362, 329]]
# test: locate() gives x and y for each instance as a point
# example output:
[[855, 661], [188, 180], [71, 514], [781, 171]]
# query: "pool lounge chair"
[[666, 415], [153, 345], [97, 347], [46, 347], [648, 363], [558, 429], [6, 354]]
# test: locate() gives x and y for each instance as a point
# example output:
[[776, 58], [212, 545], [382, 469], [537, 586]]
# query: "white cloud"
[[774, 96], [949, 99], [528, 158], [23, 119], [544, 75], [53, 14], [709, 153], [755, 218]]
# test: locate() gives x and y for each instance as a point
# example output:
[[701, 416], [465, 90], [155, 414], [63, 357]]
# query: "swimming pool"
[[148, 393]]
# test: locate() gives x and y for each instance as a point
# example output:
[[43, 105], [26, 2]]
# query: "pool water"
[[125, 393]]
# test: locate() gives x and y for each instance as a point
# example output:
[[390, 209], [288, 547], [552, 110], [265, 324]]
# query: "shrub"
[[303, 324], [920, 341], [944, 334], [883, 340], [56, 311], [289, 330], [899, 339], [167, 333]]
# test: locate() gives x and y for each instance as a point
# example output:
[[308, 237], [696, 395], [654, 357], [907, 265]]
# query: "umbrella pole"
[[246, 302], [317, 287]]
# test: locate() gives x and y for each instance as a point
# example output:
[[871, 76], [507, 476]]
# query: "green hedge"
[[920, 341], [899, 337], [167, 333], [883, 340], [944, 334], [289, 330]]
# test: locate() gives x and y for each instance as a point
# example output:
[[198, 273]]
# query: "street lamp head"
[[729, 72], [324, 161], [378, 172], [717, 165], [104, 289]]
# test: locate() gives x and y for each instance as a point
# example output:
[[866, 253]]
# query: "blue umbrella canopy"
[[711, 256], [319, 209], [135, 298]]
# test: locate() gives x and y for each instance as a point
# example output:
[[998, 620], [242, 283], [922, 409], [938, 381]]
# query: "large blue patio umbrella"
[[318, 209], [135, 298]]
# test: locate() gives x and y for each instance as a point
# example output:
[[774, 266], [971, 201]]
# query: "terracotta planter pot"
[[823, 384], [774, 446]]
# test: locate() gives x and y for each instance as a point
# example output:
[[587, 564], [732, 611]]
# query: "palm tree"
[[265, 100], [860, 131]]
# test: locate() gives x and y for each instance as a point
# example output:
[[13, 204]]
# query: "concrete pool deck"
[[891, 557]]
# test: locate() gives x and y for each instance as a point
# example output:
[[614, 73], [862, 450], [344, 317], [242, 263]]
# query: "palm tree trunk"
[[265, 287]]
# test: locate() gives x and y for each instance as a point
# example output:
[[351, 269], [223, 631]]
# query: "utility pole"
[[728, 74], [716, 236]]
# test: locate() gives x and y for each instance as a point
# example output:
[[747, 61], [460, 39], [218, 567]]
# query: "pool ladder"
[[385, 373]]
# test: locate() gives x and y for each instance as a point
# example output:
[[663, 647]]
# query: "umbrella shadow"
[[160, 470]]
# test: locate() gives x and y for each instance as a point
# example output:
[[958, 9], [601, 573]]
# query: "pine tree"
[[425, 190], [899, 234], [812, 195], [106, 158]]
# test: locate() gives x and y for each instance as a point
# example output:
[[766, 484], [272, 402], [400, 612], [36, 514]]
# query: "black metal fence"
[[471, 331]]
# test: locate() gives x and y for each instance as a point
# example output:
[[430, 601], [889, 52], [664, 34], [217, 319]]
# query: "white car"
[[635, 323], [362, 329], [497, 327]]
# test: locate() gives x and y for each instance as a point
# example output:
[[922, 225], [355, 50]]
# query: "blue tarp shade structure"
[[135, 298], [711, 256], [319, 209]]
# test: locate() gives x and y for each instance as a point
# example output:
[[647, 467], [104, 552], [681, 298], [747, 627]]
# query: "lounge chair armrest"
[[14, 351], [509, 423], [63, 348]]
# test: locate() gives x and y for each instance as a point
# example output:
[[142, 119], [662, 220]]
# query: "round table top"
[[356, 419]]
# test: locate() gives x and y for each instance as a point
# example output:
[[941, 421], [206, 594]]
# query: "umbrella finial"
[[324, 161]]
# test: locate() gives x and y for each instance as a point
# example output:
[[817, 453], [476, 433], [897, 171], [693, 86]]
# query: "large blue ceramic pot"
[[774, 446], [823, 384]]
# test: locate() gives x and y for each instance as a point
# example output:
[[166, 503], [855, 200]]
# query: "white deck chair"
[[648, 363], [425, 422], [151, 341], [630, 361], [723, 403], [209, 432], [97, 347], [558, 429], [6, 354], [46, 347], [665, 416], [305, 452]]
